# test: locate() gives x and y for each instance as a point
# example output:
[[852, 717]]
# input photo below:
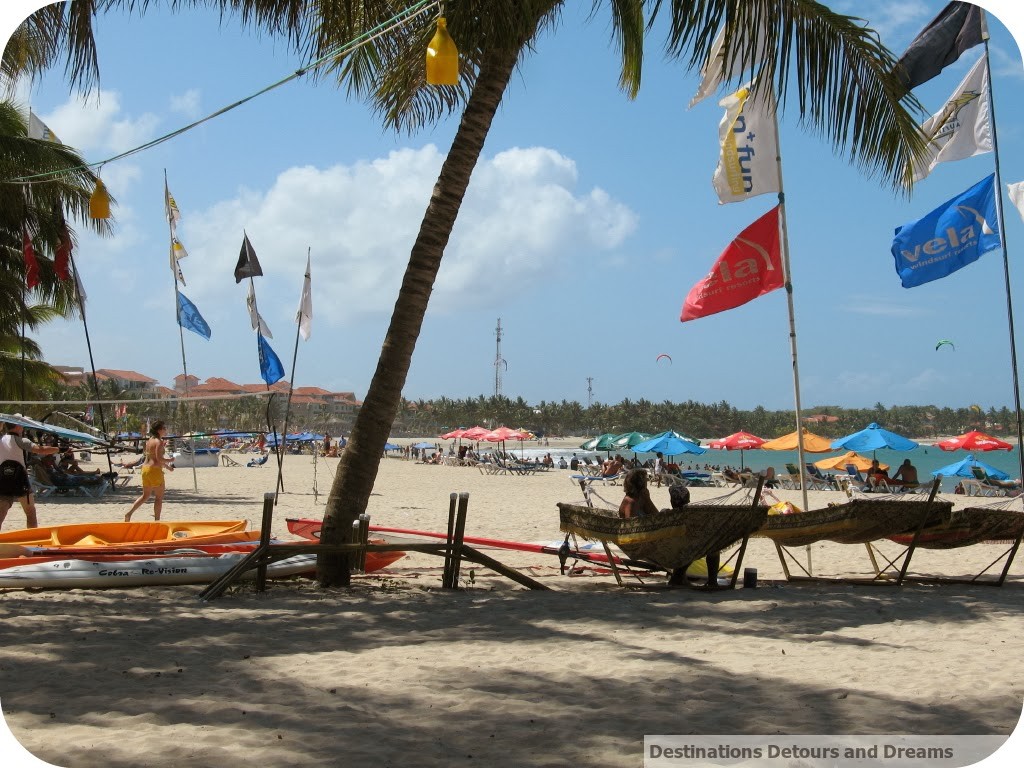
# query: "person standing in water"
[[153, 472]]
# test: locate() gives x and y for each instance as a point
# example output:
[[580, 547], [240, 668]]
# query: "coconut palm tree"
[[35, 208], [842, 78]]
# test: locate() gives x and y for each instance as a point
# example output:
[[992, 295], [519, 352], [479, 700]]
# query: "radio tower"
[[499, 361], [590, 391]]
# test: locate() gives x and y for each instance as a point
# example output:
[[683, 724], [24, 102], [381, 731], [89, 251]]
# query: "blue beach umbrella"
[[669, 444], [422, 445], [392, 447], [962, 468], [872, 438]]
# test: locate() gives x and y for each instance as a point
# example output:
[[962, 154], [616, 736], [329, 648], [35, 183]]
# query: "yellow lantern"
[[99, 201], [442, 57]]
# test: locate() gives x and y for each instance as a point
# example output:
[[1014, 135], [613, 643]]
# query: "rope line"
[[399, 19]]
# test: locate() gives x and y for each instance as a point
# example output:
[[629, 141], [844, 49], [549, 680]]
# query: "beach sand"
[[397, 672]]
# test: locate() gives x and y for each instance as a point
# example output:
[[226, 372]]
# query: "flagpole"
[[280, 447], [786, 271], [92, 364], [291, 383], [1006, 279], [181, 331]]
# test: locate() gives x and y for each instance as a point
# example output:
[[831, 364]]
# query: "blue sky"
[[588, 219]]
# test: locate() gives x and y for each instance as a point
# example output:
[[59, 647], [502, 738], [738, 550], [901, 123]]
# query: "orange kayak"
[[126, 534]]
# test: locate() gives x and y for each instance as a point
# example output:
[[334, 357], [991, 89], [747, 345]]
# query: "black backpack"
[[13, 479]]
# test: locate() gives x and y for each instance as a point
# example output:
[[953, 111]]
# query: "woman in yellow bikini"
[[153, 472]]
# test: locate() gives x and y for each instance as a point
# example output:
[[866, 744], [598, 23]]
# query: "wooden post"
[[267, 523], [449, 553], [460, 532], [364, 537]]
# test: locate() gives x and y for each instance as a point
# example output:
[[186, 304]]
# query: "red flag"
[[749, 267], [63, 253], [31, 265]]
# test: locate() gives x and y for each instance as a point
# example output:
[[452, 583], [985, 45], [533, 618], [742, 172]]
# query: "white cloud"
[[522, 222], [187, 103], [93, 124]]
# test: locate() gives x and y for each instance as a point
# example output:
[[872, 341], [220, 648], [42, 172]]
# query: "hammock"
[[1002, 521], [669, 539], [858, 521]]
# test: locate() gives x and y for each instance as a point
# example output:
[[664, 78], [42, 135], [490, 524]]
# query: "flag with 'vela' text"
[[37, 129], [304, 317], [171, 209], [271, 369], [949, 238], [749, 267], [747, 160], [958, 27], [962, 128]]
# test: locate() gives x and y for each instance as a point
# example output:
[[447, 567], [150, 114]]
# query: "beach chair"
[[259, 461], [825, 482], [92, 486], [855, 479], [991, 486], [227, 461], [797, 479]]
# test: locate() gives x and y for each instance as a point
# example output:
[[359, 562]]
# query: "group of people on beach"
[[15, 485]]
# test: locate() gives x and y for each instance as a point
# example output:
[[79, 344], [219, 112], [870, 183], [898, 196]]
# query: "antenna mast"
[[499, 362], [590, 391]]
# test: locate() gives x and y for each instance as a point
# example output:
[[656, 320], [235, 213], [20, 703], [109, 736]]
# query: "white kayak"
[[191, 568]]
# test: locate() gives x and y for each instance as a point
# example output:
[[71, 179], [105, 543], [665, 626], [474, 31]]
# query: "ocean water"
[[927, 459]]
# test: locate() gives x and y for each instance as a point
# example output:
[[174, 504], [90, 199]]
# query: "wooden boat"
[[857, 521], [131, 533], [1002, 521], [133, 571], [310, 529], [668, 539]]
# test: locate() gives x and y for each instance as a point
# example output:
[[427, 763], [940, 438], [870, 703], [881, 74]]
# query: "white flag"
[[747, 161], [1017, 196], [81, 288], [962, 128], [712, 74], [37, 129], [254, 316], [178, 253], [171, 208], [304, 317]]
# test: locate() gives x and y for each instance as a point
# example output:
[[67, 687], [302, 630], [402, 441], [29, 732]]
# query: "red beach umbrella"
[[974, 441], [737, 441], [453, 434], [475, 433]]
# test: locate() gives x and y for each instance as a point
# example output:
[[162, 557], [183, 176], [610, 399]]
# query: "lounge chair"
[[56, 481], [227, 461], [258, 461], [826, 482], [993, 486], [855, 479], [796, 478]]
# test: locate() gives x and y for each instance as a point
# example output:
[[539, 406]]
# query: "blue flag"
[[271, 369], [949, 238], [189, 317]]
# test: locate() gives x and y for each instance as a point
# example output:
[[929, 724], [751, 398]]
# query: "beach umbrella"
[[737, 441], [863, 463], [475, 433], [871, 438], [455, 433], [422, 445], [501, 434], [962, 468], [812, 443], [668, 443], [974, 441], [392, 447], [629, 439], [600, 443]]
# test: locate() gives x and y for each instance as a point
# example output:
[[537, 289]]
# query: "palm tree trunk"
[[357, 471]]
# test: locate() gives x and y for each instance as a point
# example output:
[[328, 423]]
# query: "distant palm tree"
[[842, 76]]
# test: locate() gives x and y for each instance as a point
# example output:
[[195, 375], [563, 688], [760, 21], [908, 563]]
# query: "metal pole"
[[291, 387]]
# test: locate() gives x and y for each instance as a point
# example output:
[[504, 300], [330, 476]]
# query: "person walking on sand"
[[153, 472], [13, 446]]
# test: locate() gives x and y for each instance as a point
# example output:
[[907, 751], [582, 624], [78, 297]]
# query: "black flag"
[[958, 26], [248, 265]]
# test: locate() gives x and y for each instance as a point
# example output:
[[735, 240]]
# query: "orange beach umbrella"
[[862, 463], [812, 443]]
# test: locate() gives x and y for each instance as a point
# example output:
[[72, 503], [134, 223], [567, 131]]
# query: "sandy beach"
[[397, 672]]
